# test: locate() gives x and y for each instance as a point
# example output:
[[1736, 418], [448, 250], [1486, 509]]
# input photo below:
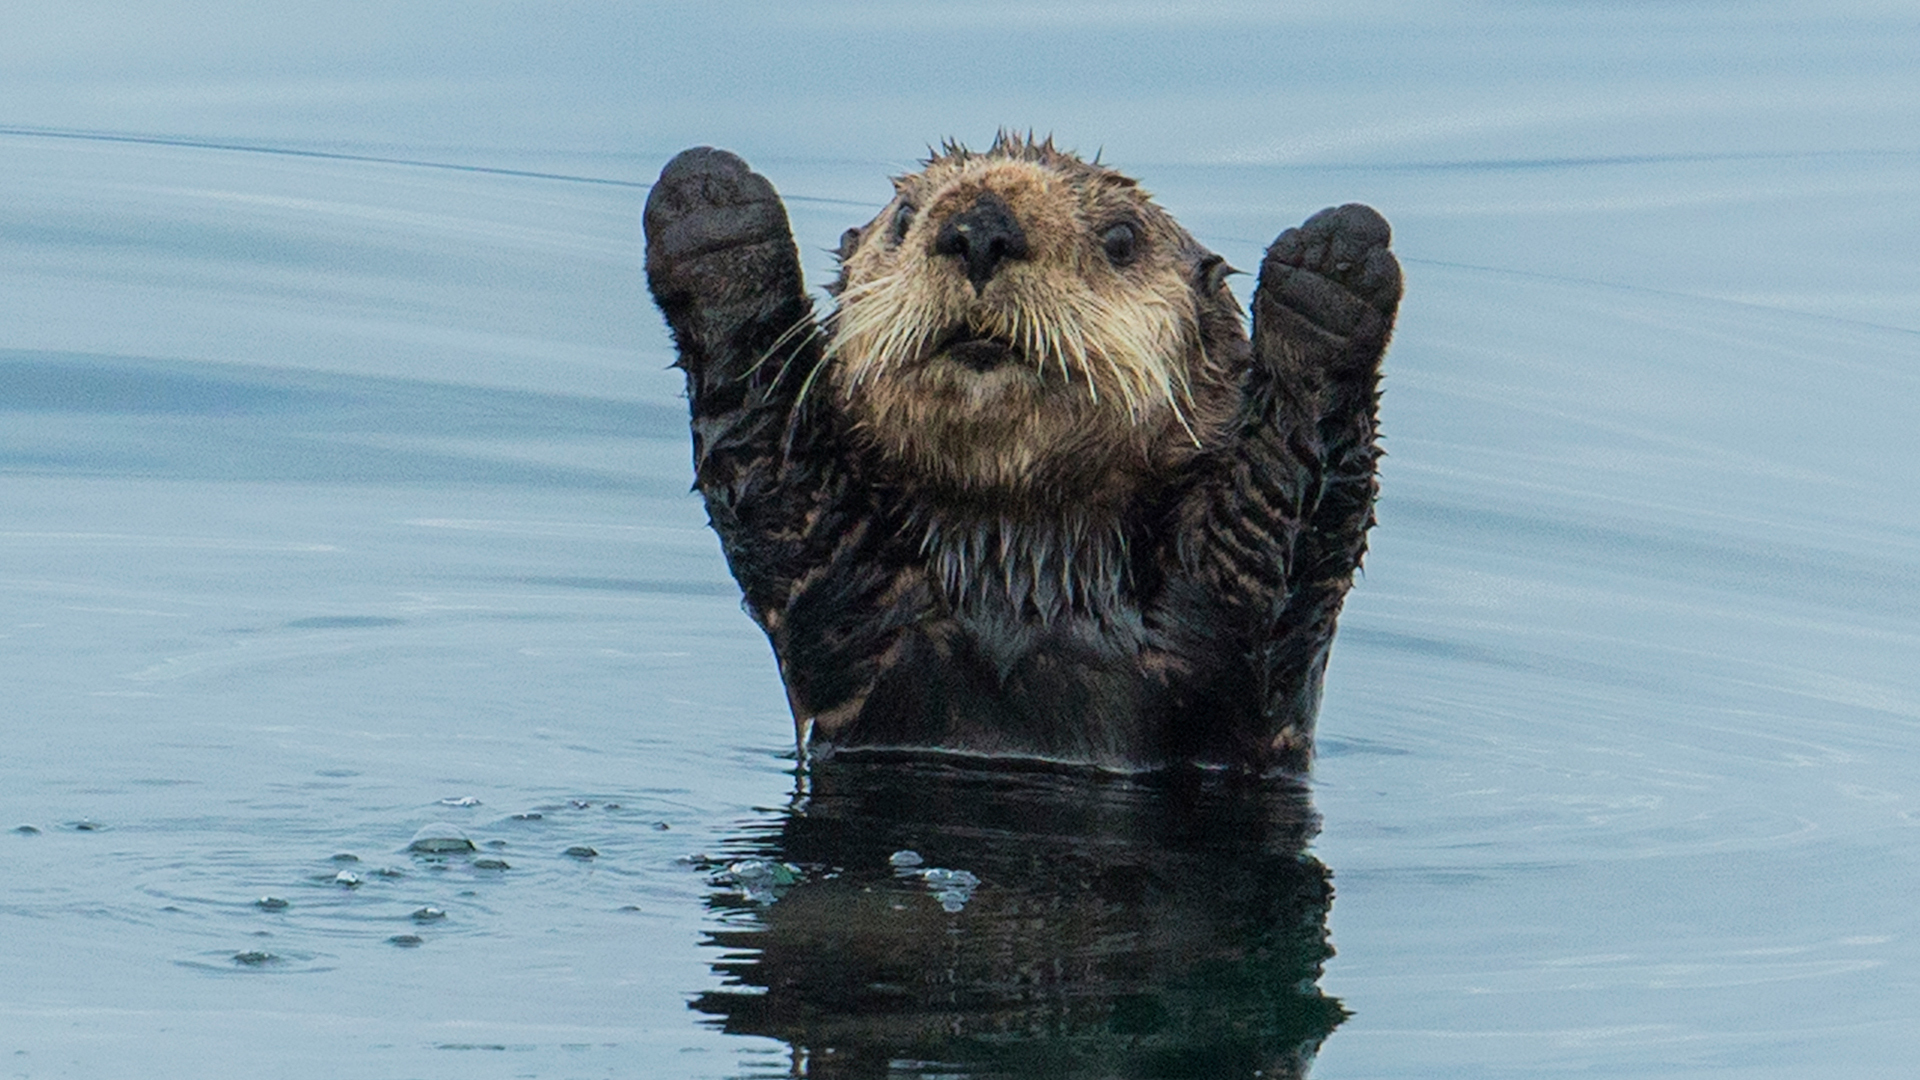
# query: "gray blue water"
[[343, 494]]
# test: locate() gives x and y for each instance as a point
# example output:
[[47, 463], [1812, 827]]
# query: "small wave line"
[[74, 135]]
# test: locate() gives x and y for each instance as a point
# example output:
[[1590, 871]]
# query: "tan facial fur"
[[1103, 374]]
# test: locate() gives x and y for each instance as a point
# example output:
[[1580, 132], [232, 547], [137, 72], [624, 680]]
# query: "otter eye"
[[1120, 242], [902, 218]]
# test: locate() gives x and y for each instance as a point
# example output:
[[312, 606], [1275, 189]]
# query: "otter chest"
[[984, 680], [983, 639]]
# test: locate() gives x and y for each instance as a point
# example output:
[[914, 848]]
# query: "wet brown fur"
[[1121, 539]]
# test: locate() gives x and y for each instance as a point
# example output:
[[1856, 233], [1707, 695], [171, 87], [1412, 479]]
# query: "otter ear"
[[1211, 273], [848, 241]]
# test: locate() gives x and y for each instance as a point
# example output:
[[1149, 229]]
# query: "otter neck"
[[1044, 567]]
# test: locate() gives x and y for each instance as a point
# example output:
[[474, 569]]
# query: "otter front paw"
[[715, 226], [1328, 292]]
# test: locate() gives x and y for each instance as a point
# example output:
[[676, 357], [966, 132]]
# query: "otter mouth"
[[973, 349]]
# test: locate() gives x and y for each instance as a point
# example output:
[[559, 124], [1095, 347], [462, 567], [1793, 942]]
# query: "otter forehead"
[[1025, 205]]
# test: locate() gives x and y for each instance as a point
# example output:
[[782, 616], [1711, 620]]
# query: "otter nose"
[[982, 236]]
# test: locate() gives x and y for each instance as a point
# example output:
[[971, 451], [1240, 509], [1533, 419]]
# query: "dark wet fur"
[[1188, 620]]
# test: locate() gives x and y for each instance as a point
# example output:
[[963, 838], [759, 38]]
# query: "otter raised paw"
[[1029, 490]]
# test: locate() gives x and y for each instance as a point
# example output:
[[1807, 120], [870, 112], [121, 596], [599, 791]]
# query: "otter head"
[[1022, 322]]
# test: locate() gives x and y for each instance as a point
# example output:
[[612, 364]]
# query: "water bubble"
[[953, 888], [407, 941], [743, 870], [579, 852], [271, 903], [761, 880], [905, 858], [438, 839]]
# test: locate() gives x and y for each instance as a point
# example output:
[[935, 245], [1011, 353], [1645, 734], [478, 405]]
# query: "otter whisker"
[[906, 334], [799, 402], [1036, 337], [813, 331], [1071, 346], [799, 325]]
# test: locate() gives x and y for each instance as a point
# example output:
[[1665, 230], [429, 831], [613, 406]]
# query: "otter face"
[[1023, 320]]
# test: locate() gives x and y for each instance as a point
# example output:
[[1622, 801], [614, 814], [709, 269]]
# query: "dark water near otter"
[[343, 502]]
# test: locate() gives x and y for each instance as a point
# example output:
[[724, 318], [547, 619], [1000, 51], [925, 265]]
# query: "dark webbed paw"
[[1328, 291], [714, 225]]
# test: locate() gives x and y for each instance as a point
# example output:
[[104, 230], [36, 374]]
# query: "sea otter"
[[1029, 490]]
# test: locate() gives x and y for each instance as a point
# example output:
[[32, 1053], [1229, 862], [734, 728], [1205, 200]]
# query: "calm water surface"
[[345, 497]]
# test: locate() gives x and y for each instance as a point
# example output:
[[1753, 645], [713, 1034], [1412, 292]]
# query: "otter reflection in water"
[[917, 919]]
